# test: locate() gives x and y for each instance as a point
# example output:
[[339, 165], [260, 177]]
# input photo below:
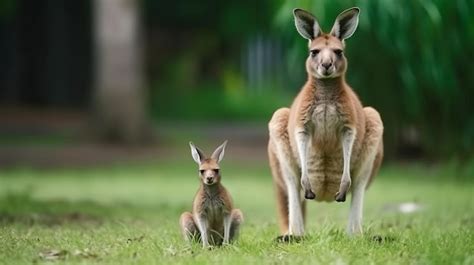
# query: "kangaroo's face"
[[326, 51], [209, 170], [326, 57]]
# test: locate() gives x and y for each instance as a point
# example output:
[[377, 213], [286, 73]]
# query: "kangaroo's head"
[[209, 170], [326, 51]]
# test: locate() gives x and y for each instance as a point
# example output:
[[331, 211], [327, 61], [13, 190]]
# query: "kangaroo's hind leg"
[[280, 190], [371, 158], [285, 175], [188, 227], [237, 218]]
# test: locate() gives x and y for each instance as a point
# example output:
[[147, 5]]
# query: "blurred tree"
[[119, 97]]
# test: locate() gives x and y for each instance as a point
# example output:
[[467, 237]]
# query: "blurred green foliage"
[[210, 104], [6, 8], [194, 52], [412, 60]]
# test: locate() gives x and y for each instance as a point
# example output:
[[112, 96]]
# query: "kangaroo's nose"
[[209, 179], [326, 65]]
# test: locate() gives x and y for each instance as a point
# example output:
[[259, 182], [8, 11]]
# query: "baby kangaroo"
[[213, 219]]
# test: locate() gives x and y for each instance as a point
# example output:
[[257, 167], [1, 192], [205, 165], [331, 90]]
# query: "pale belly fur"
[[325, 158], [324, 174], [214, 210]]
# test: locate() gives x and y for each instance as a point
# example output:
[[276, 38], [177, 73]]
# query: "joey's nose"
[[209, 179], [326, 65]]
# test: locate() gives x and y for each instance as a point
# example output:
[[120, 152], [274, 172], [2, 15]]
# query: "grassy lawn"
[[129, 214]]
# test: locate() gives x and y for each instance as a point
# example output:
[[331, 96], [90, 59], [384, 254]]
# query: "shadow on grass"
[[43, 219], [21, 208]]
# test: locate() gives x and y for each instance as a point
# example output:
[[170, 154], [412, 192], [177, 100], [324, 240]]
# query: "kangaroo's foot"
[[288, 239]]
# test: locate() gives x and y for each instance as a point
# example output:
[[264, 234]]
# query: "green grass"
[[128, 215]]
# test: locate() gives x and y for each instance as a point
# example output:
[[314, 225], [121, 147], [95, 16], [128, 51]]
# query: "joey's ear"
[[346, 23], [198, 156], [306, 24], [219, 152]]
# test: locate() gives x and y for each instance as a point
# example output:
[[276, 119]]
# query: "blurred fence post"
[[119, 103]]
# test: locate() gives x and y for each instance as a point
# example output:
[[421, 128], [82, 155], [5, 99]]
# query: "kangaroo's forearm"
[[227, 223], [302, 139], [203, 226], [348, 138]]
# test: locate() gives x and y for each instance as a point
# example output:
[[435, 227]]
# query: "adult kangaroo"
[[327, 141]]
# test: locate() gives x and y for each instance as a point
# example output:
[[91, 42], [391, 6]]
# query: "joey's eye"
[[338, 52], [201, 171], [313, 53], [216, 171]]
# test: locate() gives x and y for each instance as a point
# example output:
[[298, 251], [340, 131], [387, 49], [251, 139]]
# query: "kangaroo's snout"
[[326, 65], [209, 176], [327, 69], [209, 180]]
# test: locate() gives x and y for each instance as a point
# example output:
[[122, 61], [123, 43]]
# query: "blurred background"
[[92, 82], [99, 99]]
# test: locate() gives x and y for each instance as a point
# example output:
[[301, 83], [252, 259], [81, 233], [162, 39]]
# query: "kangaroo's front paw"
[[343, 189], [308, 193], [340, 197]]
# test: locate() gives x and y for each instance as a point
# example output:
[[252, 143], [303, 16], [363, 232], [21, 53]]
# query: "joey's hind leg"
[[188, 227]]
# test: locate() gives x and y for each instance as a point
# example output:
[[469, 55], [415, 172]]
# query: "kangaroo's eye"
[[314, 53], [216, 171], [201, 171], [338, 52]]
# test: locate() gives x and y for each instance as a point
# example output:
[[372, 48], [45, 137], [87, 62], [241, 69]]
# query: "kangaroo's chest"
[[327, 122], [325, 158], [214, 210]]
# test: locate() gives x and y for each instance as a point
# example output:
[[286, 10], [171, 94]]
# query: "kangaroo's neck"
[[328, 88], [211, 190]]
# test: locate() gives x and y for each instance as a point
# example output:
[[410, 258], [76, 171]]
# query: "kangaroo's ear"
[[219, 152], [198, 155], [346, 23], [306, 24]]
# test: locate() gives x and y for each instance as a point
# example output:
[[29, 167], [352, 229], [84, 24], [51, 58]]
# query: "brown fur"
[[213, 202], [324, 107]]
